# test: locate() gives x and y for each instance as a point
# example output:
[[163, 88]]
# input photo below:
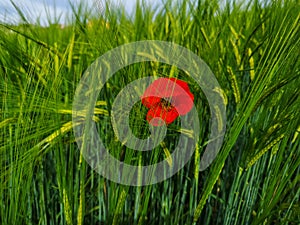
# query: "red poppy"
[[167, 98]]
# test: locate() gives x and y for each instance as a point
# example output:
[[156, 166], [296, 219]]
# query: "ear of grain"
[[234, 85], [251, 63], [263, 151]]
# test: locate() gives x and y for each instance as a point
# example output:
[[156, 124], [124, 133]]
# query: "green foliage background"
[[253, 49]]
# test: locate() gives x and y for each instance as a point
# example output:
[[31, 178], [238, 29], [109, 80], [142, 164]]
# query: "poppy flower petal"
[[165, 88], [183, 103], [185, 87], [175, 91], [150, 101], [181, 83], [184, 100], [168, 115]]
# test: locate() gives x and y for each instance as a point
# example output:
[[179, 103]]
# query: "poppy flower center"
[[166, 104]]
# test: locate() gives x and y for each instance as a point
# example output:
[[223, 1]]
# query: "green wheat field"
[[253, 50]]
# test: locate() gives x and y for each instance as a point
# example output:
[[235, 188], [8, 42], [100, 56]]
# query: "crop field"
[[48, 174]]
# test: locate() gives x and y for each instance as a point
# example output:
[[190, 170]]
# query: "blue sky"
[[42, 9]]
